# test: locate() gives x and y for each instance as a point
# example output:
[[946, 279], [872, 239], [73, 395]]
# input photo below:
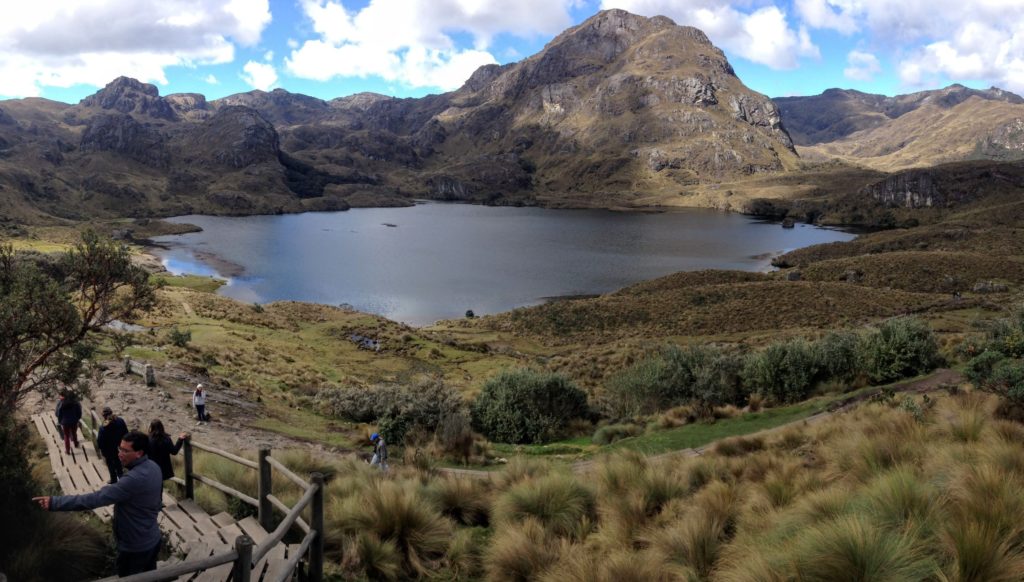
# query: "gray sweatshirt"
[[137, 499]]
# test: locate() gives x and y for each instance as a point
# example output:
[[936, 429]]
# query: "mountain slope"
[[916, 130], [618, 111]]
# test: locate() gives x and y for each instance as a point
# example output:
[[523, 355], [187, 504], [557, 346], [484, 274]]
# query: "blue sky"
[[67, 49]]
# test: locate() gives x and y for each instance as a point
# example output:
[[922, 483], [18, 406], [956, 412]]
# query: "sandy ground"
[[170, 401]]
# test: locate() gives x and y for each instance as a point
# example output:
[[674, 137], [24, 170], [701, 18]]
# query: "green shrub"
[[900, 348], [179, 337], [786, 372], [838, 357], [397, 408], [525, 406], [702, 376], [637, 390]]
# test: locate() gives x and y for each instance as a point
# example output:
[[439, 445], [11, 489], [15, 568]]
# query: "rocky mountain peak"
[[127, 95], [235, 137], [280, 106]]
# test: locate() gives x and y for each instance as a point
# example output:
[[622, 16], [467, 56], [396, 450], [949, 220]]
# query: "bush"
[[638, 390], [900, 348], [785, 372], [838, 357], [702, 376], [525, 406], [179, 338], [397, 408]]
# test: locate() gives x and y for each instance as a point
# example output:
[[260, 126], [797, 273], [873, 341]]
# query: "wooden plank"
[[197, 552], [275, 569], [203, 521], [253, 529], [223, 519], [230, 533]]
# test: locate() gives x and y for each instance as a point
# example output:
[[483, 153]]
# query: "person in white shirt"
[[199, 401]]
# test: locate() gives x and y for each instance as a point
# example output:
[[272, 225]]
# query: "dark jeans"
[[134, 562], [70, 435], [114, 466], [201, 411]]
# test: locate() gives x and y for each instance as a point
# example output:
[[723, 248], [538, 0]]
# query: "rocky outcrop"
[[130, 96], [6, 119], [945, 186], [122, 134], [191, 106], [235, 137], [279, 106]]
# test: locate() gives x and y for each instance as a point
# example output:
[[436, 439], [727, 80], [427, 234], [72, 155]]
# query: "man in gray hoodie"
[[137, 500]]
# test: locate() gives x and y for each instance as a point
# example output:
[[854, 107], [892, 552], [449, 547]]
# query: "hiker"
[[107, 439], [56, 412], [69, 412], [137, 499], [199, 401], [380, 452], [161, 448]]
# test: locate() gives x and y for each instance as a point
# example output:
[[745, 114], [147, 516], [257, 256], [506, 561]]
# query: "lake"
[[434, 261]]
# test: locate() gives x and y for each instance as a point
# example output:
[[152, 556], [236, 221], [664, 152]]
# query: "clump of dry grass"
[[564, 506]]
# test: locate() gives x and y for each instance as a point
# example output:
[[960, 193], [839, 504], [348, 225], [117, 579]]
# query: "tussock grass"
[[852, 549], [520, 552], [564, 506], [466, 501]]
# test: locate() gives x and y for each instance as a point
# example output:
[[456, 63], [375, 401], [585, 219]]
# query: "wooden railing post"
[[266, 510], [243, 565], [127, 365], [316, 549], [150, 376], [190, 487]]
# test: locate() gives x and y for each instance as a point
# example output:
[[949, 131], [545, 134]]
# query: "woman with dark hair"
[[161, 448]]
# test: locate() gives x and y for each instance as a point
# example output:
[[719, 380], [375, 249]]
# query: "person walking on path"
[[161, 448], [199, 401], [108, 438], [69, 412], [137, 499], [380, 452]]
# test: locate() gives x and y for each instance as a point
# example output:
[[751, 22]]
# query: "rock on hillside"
[[279, 106], [235, 137], [130, 96]]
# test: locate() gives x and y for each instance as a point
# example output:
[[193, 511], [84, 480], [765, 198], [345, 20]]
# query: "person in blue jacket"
[[137, 500], [69, 412]]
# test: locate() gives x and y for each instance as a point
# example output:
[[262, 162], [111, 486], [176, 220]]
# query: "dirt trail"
[[129, 397]]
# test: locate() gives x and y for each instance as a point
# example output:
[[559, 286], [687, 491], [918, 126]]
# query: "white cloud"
[[65, 42], [837, 15], [935, 40], [211, 80], [862, 66], [410, 41], [763, 36], [259, 75], [268, 56]]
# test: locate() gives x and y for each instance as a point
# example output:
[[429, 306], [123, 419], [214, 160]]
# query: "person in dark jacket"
[[137, 499], [108, 438], [161, 448], [69, 412]]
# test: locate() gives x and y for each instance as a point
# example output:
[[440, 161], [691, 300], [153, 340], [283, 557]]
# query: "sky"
[[67, 49]]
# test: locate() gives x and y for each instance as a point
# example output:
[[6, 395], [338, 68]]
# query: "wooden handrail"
[[227, 455], [289, 569], [225, 489], [288, 473], [285, 525], [285, 509], [179, 569]]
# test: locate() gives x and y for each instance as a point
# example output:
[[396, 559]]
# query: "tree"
[[525, 406], [49, 308]]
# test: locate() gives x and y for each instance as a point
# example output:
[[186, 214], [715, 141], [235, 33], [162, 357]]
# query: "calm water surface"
[[434, 261]]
